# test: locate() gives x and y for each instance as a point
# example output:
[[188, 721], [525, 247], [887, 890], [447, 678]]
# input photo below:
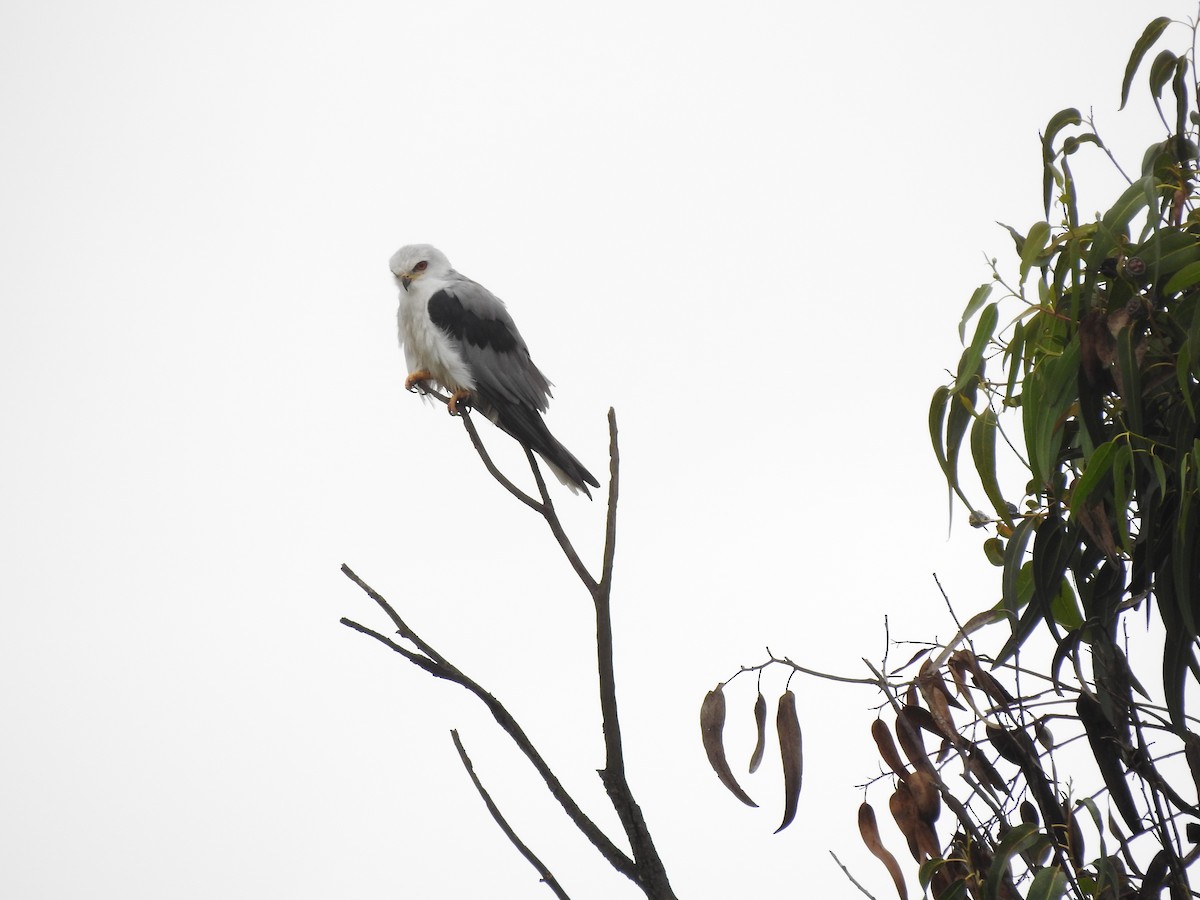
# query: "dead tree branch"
[[645, 868]]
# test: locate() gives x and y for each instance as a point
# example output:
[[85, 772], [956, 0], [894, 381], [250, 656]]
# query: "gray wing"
[[490, 344]]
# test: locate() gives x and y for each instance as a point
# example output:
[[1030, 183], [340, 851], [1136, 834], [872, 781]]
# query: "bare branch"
[[495, 472], [439, 667], [560, 534], [645, 867], [546, 876]]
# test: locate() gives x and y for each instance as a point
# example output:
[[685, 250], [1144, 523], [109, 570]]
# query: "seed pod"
[[787, 723], [925, 793], [869, 829], [760, 723], [904, 811], [712, 727], [887, 748]]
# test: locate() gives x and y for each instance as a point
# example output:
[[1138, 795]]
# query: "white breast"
[[427, 347]]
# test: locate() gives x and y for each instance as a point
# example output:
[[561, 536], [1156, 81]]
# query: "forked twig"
[[645, 867]]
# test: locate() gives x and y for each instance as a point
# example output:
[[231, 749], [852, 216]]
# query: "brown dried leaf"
[[869, 829], [760, 723], [959, 666], [712, 727], [931, 679], [985, 773], [887, 748], [984, 681], [787, 723], [939, 711]]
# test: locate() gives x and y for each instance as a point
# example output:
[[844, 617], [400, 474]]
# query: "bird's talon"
[[460, 402], [413, 383]]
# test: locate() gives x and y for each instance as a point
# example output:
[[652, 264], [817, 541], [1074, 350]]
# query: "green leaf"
[[1178, 659], [1014, 561], [1035, 611], [1018, 238], [1052, 549], [978, 298], [1131, 381], [1161, 71], [983, 452], [1049, 392], [947, 455], [1074, 142], [1016, 359], [968, 367], [1179, 88], [1183, 560], [1064, 608], [1098, 466], [1049, 883], [1035, 244], [1168, 251], [1019, 838], [1152, 33], [1183, 279], [1115, 222], [1057, 123], [993, 549], [1183, 380]]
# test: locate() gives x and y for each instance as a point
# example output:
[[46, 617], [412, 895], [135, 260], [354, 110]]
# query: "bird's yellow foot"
[[459, 398], [415, 378]]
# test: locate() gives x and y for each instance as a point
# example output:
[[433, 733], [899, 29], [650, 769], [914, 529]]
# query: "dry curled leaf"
[[985, 773], [869, 829], [938, 699], [760, 723], [712, 727], [787, 723]]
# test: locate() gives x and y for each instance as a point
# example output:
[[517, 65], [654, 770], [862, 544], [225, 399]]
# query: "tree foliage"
[[1095, 375], [1077, 395]]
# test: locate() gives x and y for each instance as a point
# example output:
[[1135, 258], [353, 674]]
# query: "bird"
[[458, 334]]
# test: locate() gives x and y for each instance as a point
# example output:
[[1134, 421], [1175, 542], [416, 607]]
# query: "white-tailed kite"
[[459, 334]]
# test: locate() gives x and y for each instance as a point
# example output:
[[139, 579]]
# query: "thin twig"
[[495, 472], [443, 669], [853, 881], [544, 873], [401, 626], [560, 534]]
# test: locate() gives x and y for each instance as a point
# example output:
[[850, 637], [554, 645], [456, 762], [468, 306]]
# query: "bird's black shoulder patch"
[[447, 313]]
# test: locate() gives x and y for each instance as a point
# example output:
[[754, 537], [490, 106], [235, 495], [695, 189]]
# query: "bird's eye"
[[421, 266]]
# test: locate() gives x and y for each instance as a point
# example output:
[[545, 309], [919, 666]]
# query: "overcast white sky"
[[750, 228]]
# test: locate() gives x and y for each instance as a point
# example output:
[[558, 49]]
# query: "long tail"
[[526, 426]]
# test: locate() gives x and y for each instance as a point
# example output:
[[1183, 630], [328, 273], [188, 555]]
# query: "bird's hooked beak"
[[405, 279]]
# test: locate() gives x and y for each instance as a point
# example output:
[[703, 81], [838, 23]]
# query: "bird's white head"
[[418, 261]]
